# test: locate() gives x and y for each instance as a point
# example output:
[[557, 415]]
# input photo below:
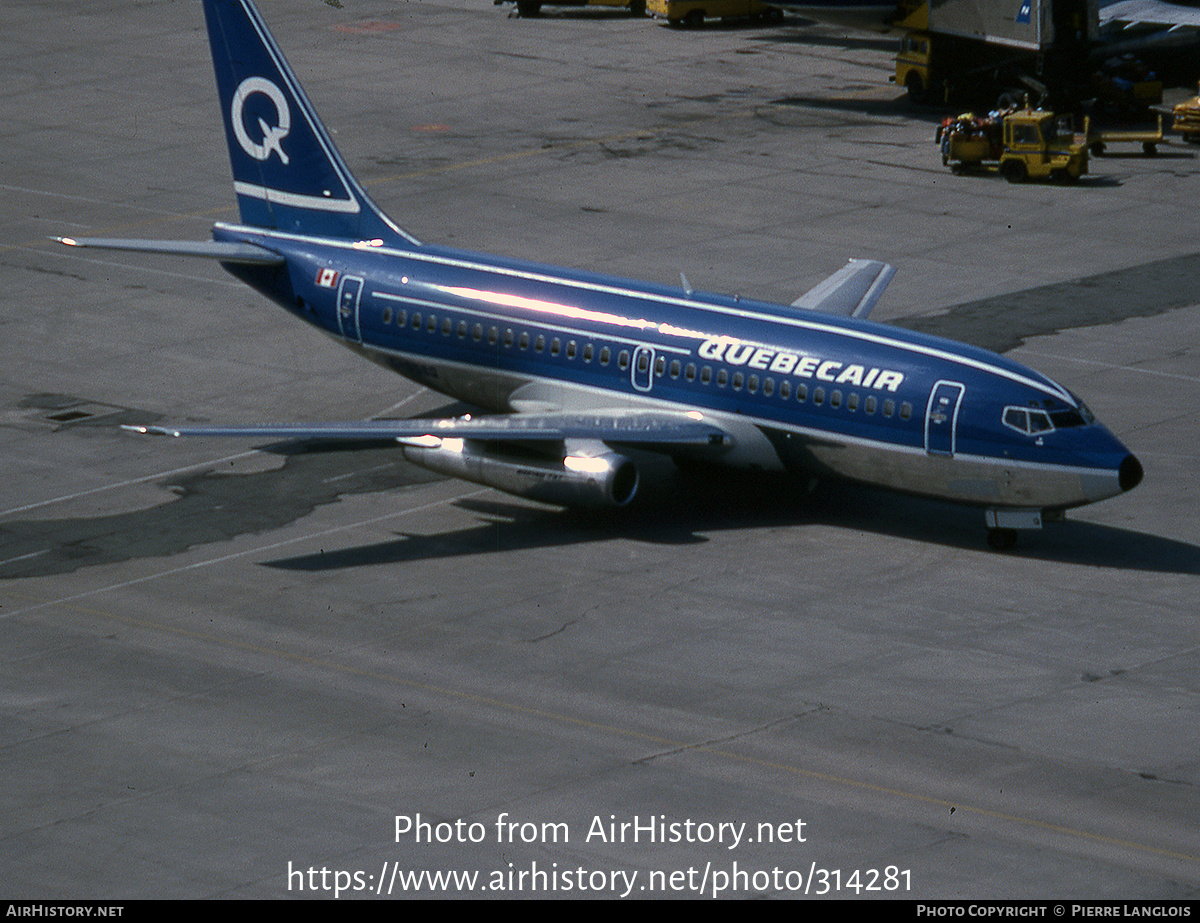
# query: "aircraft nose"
[[1129, 474]]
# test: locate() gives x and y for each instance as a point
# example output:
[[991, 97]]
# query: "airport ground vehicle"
[[694, 12], [1070, 51], [958, 48], [530, 8], [1125, 85], [1022, 144], [1187, 119], [1149, 139]]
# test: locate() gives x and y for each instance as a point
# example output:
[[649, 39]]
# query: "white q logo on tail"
[[272, 135]]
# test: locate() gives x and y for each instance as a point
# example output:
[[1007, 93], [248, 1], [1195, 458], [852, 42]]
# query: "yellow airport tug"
[[1022, 144]]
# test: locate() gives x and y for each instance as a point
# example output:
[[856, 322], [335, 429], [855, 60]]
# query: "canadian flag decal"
[[327, 278]]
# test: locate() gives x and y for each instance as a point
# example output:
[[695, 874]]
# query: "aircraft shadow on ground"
[[691, 512], [673, 508], [793, 31], [867, 106]]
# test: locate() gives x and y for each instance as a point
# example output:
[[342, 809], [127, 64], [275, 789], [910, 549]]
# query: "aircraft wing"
[[643, 429], [1150, 13], [852, 290]]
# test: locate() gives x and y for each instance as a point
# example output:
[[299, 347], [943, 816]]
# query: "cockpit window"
[[1017, 418], [1085, 414], [1033, 419], [1027, 420], [1065, 419], [1039, 421]]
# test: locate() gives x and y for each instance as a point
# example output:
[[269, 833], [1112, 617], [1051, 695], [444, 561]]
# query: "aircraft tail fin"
[[287, 174]]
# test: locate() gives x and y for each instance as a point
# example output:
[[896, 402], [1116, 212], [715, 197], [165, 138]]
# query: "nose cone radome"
[[1130, 473]]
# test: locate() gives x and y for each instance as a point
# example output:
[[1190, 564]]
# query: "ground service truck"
[[982, 48]]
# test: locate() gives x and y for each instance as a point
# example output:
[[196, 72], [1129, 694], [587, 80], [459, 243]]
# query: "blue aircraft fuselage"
[[805, 392]]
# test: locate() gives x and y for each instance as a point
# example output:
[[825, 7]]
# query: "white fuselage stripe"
[[346, 206], [419, 358]]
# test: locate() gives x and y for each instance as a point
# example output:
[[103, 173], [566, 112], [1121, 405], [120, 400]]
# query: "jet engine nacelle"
[[577, 480]]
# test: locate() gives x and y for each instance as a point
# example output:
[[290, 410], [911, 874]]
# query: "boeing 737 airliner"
[[577, 370]]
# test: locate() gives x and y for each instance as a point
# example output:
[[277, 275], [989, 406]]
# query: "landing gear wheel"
[[1014, 171], [915, 88], [1002, 539]]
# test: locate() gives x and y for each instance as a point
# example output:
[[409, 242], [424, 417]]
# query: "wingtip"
[[149, 430]]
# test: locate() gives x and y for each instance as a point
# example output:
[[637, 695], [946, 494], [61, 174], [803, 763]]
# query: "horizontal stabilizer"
[[631, 428], [852, 290], [227, 251]]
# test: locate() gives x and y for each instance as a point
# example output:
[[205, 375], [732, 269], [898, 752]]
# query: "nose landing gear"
[[1002, 539], [1002, 525]]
